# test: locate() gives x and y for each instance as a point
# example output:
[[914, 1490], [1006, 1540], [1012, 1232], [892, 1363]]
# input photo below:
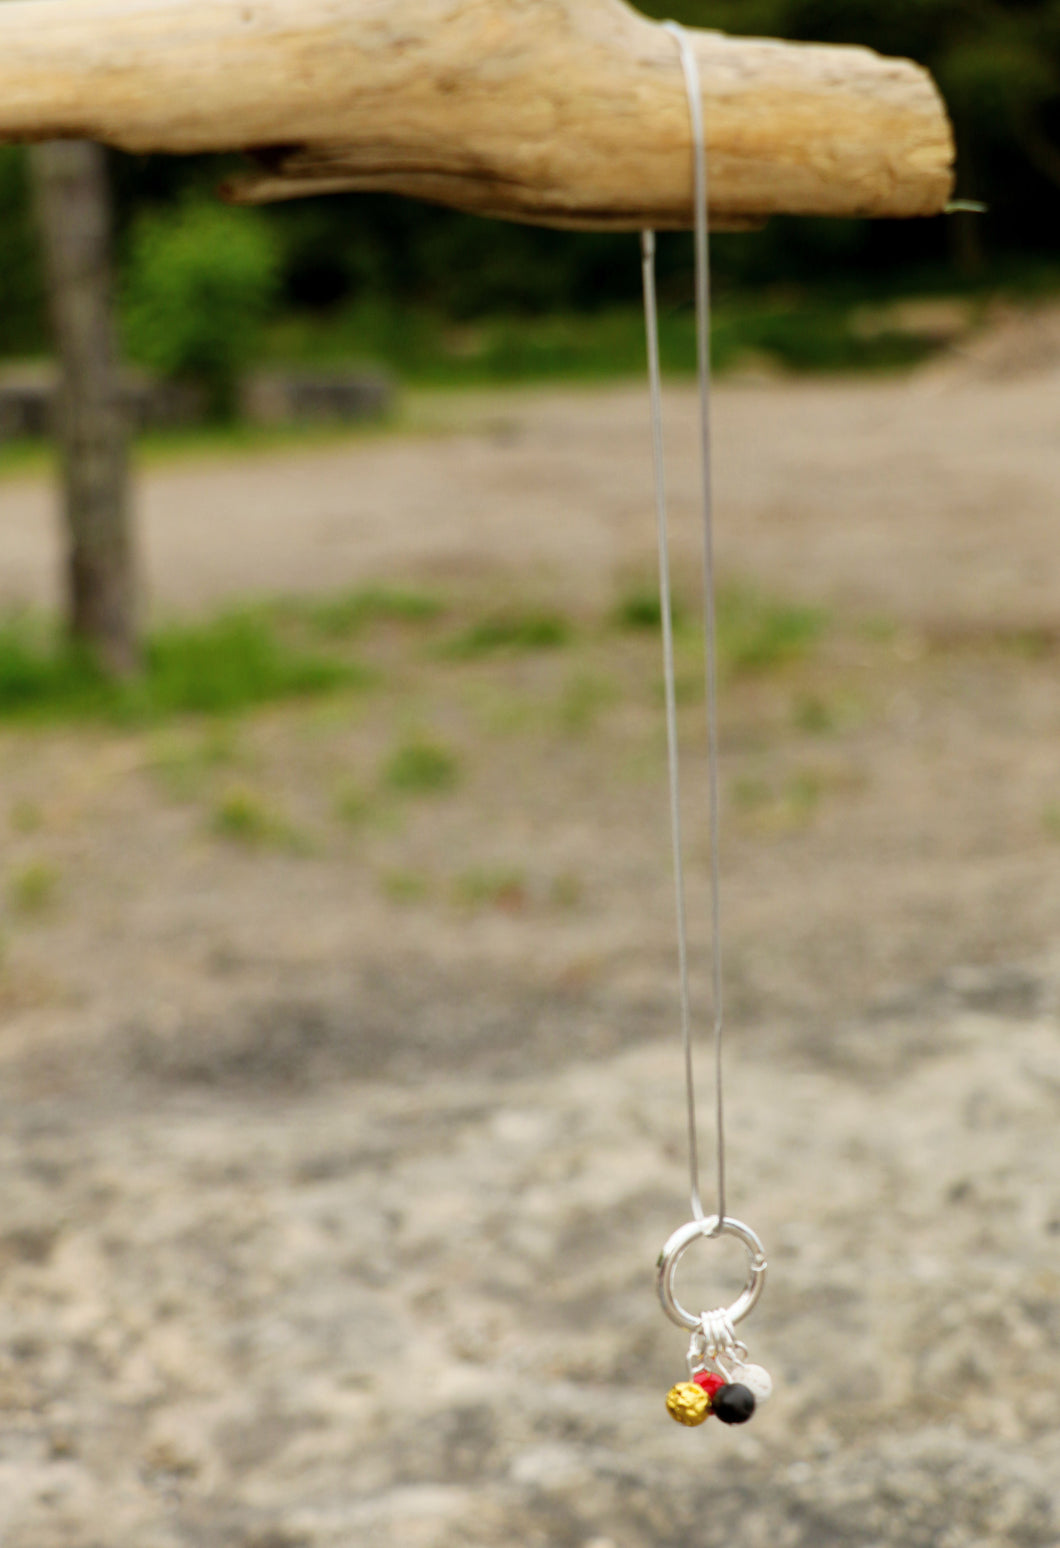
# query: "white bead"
[[756, 1379]]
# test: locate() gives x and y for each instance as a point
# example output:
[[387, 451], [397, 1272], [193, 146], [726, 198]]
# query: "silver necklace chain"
[[690, 69]]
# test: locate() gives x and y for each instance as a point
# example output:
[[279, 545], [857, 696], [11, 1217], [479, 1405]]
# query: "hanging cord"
[[690, 69]]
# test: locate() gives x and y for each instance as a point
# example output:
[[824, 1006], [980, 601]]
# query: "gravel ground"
[[332, 1187]]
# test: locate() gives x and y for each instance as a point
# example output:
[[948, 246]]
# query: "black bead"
[[733, 1404]]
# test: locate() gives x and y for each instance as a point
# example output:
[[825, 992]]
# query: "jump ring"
[[682, 1239]]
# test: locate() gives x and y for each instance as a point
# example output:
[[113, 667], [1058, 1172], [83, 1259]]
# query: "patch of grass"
[[813, 714], [26, 816], [1051, 819], [513, 632], [32, 888], [822, 714], [353, 804], [501, 712], [501, 887], [750, 792], [759, 634], [803, 332], [810, 335], [25, 456], [772, 811], [802, 795], [640, 610], [583, 699], [404, 886], [182, 763], [245, 817], [878, 629], [788, 804], [40, 674], [421, 767], [232, 662], [566, 890], [342, 616]]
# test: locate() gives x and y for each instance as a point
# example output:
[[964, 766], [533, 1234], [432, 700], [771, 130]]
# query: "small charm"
[[688, 1403], [710, 1383], [734, 1404], [756, 1379]]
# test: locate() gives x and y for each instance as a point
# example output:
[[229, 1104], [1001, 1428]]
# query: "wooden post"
[[73, 210], [559, 112]]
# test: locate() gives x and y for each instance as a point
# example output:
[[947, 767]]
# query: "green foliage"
[[421, 767], [801, 333], [39, 674], [199, 283], [511, 631], [26, 816], [353, 804], [217, 667], [32, 888], [22, 320], [814, 714], [245, 817], [405, 886], [583, 699], [503, 887], [182, 763], [759, 634], [639, 609], [234, 661], [341, 616]]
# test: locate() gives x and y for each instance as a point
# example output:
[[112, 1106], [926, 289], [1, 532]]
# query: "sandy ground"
[[334, 1170]]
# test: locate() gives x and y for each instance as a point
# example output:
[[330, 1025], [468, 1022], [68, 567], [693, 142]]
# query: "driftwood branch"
[[558, 112]]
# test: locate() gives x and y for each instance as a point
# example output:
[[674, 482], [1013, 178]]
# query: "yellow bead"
[[688, 1403]]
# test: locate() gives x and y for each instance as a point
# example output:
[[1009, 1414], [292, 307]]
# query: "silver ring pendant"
[[710, 1228]]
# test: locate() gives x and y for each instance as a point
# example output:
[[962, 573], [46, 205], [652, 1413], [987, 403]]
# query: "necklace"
[[721, 1379]]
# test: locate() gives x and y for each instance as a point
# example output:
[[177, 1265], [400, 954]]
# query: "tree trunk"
[[70, 184]]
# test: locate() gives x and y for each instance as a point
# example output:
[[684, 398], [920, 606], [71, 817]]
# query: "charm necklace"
[[721, 1380]]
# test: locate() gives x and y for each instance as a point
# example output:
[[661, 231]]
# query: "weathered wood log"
[[559, 112]]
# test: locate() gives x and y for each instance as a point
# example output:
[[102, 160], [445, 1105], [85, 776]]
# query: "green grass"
[[786, 808], [502, 887], [218, 667], [801, 333], [813, 714], [182, 762], [26, 816], [639, 610], [237, 661], [511, 631], [342, 616], [352, 804], [421, 767], [404, 886], [583, 699], [31, 457], [33, 887], [758, 634], [245, 817]]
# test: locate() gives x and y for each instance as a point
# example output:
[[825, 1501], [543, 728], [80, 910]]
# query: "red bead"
[[709, 1382]]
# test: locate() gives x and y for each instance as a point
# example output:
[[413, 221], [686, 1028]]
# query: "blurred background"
[[341, 1115]]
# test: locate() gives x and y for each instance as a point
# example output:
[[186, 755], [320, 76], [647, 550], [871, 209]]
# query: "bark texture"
[[70, 184], [560, 112]]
